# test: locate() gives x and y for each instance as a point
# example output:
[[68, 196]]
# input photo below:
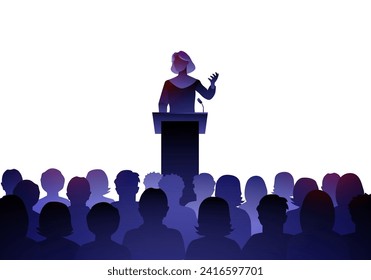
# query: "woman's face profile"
[[179, 64]]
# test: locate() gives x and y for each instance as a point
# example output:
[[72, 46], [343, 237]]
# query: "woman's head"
[[214, 217], [181, 61]]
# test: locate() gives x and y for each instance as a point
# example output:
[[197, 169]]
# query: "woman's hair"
[[214, 218], [55, 220], [183, 56]]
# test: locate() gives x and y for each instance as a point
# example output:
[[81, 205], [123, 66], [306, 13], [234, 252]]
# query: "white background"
[[80, 79]]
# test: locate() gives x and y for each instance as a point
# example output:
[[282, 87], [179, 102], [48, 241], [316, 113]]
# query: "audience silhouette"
[[301, 188], [151, 180], [52, 181], [255, 189], [127, 188], [284, 187], [173, 186], [98, 182], [78, 192], [103, 220], [329, 183], [359, 241], [272, 243], [348, 187], [204, 186], [10, 179], [14, 243], [228, 187], [29, 192], [317, 241], [154, 240], [214, 224], [55, 224]]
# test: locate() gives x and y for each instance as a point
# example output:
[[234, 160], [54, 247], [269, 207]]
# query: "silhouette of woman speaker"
[[179, 92]]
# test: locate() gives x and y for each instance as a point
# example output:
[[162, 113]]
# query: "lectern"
[[180, 146]]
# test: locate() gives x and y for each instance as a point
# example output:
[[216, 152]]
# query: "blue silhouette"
[[228, 187], [154, 240], [329, 183], [317, 241], [78, 192], [301, 188], [272, 243], [204, 186], [151, 180], [10, 179], [98, 182], [173, 186], [179, 92], [55, 224], [284, 187], [255, 189], [103, 220], [348, 187], [359, 241], [214, 224], [14, 243], [52, 181], [127, 188], [29, 192]]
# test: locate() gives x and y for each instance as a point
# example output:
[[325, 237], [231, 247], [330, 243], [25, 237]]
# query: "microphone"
[[199, 101]]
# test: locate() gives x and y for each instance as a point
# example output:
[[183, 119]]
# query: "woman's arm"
[[210, 92]]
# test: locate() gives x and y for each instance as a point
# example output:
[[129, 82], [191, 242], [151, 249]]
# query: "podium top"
[[201, 118]]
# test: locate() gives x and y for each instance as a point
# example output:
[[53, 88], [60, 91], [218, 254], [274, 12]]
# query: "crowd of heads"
[[298, 220]]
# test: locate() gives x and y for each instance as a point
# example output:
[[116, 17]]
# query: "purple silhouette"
[[301, 188], [55, 225], [151, 180], [204, 186], [228, 187], [255, 189], [284, 186], [103, 220], [10, 179], [52, 181], [214, 224], [272, 243], [329, 183], [348, 187], [78, 192], [98, 182], [154, 240], [179, 92]]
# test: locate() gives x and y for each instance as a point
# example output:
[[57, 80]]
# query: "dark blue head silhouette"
[[11, 178], [55, 220], [228, 187]]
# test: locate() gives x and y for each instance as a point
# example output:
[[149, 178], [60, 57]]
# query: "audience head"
[[127, 183], [228, 187], [360, 211], [214, 217], [28, 191], [283, 184], [13, 218], [153, 205], [10, 179], [204, 185], [317, 212], [103, 219], [55, 220], [348, 187], [98, 182], [173, 186], [78, 191], [255, 189], [301, 188], [151, 180], [329, 183], [272, 210], [52, 180]]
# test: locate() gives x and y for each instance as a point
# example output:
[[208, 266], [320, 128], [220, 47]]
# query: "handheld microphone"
[[199, 101]]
